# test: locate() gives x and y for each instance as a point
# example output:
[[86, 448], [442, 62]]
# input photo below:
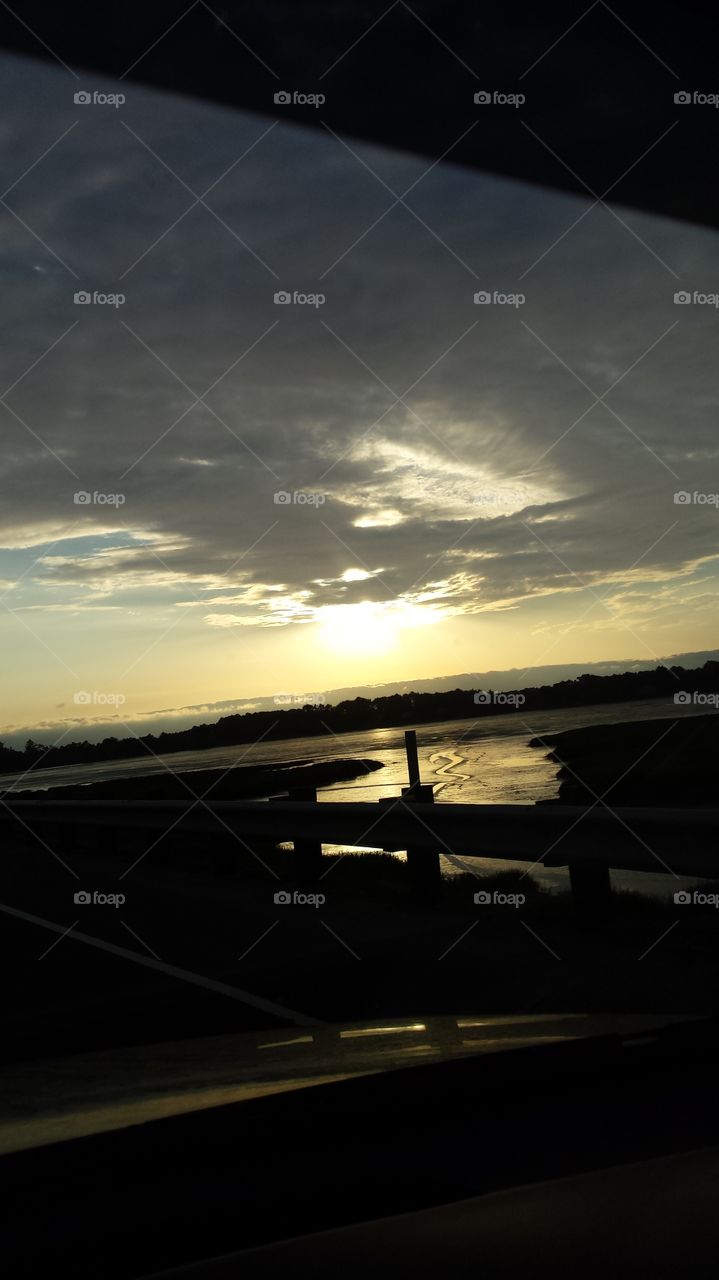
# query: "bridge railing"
[[590, 840]]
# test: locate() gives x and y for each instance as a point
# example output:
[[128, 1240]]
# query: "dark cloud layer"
[[495, 478]]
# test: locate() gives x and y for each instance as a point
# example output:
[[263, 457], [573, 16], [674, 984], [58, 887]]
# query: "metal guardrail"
[[589, 840], [630, 839]]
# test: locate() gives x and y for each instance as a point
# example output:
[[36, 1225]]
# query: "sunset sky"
[[461, 499]]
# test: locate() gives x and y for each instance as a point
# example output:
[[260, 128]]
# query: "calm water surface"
[[485, 761]]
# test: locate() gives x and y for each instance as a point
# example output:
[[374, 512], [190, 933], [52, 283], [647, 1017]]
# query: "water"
[[485, 761]]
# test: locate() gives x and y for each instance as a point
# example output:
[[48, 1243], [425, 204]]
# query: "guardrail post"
[[591, 890], [308, 853], [423, 865], [410, 746]]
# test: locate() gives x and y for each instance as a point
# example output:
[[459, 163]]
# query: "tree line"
[[395, 710]]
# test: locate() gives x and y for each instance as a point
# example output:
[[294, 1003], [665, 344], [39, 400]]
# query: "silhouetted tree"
[[396, 709]]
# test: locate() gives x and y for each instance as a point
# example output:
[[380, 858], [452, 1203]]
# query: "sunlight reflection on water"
[[483, 761]]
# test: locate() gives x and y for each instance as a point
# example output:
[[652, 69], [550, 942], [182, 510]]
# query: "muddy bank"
[[669, 763], [245, 782]]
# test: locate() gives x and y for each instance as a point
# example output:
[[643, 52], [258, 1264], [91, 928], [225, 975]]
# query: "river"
[[483, 761]]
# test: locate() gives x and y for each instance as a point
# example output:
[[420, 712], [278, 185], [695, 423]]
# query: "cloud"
[[462, 448]]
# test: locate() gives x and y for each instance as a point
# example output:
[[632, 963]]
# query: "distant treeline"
[[370, 713]]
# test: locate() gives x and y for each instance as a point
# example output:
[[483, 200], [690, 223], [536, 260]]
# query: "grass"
[[370, 951]]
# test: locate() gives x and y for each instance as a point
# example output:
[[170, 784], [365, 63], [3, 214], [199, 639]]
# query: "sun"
[[358, 629]]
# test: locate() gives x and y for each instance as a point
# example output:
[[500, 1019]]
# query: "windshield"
[[358, 577]]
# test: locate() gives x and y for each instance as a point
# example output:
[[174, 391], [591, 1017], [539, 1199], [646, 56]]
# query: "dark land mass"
[[245, 782], [367, 952], [645, 763], [369, 713]]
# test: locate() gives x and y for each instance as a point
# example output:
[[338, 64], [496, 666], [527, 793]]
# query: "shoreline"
[[239, 782], [317, 747], [642, 762]]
